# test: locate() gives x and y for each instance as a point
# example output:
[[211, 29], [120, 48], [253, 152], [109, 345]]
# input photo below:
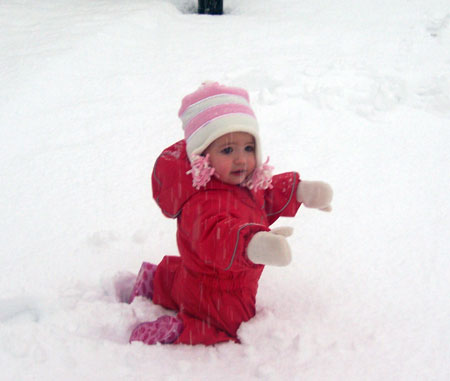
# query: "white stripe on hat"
[[193, 110]]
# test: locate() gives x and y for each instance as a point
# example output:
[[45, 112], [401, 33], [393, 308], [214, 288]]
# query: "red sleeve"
[[281, 200], [218, 236]]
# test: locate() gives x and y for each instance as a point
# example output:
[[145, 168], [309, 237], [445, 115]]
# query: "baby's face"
[[233, 157]]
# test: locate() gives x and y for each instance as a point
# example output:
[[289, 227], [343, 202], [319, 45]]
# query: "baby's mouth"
[[239, 172]]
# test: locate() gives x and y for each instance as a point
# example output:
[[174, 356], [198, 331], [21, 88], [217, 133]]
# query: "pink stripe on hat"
[[212, 113], [209, 89]]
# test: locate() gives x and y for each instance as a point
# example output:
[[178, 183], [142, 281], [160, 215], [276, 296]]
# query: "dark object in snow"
[[210, 7]]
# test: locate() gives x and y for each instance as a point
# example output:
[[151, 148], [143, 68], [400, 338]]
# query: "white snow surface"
[[356, 93]]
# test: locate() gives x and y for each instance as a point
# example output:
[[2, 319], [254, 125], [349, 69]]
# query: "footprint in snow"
[[18, 308]]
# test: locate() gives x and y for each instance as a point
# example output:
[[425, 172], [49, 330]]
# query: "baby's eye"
[[250, 148], [227, 150]]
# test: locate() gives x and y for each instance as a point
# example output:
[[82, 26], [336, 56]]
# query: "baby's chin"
[[234, 179], [239, 177]]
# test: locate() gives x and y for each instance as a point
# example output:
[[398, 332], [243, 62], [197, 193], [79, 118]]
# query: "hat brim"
[[200, 140]]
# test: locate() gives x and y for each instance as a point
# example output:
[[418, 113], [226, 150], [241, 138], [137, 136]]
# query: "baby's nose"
[[239, 158]]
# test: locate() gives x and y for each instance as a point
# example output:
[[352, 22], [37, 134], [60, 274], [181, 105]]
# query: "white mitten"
[[270, 248], [315, 194]]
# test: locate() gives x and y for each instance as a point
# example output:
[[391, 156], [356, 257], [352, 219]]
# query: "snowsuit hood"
[[171, 185]]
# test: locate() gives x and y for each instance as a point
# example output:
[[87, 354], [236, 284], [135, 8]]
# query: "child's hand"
[[315, 194], [270, 248]]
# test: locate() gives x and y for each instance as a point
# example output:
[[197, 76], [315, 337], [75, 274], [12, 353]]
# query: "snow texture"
[[356, 93]]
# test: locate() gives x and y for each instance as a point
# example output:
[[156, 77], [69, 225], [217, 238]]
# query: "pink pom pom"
[[261, 177], [201, 171]]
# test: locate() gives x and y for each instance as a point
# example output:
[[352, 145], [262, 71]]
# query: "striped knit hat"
[[214, 110]]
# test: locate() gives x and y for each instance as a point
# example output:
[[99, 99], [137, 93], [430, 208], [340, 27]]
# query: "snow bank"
[[354, 93]]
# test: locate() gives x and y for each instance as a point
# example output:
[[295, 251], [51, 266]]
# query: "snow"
[[356, 93]]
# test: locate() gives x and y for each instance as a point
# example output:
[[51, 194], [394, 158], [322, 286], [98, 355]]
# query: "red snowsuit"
[[212, 283]]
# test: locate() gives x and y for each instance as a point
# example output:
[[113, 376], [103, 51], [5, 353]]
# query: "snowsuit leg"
[[198, 331], [195, 331], [163, 282], [211, 310]]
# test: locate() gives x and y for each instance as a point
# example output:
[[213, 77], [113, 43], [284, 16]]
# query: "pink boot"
[[164, 330], [144, 282]]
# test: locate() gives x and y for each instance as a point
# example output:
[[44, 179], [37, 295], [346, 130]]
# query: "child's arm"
[[289, 192], [280, 199]]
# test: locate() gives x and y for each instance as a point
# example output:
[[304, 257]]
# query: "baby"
[[224, 199]]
